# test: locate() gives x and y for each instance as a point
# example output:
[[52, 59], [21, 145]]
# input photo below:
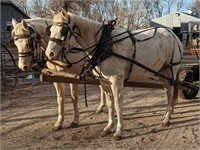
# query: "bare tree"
[[131, 14], [23, 5], [195, 7], [57, 5], [180, 4], [158, 8], [168, 5], [39, 8]]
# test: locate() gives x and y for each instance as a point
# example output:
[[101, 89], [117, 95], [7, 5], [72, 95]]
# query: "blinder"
[[64, 31], [48, 30], [30, 39], [74, 30]]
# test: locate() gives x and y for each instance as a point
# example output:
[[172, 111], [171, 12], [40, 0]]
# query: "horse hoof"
[[104, 133], [117, 137], [74, 125], [56, 128], [99, 111], [165, 124]]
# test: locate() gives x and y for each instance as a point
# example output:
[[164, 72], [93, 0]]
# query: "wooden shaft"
[[62, 77]]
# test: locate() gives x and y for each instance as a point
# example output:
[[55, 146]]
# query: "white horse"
[[31, 39], [157, 49]]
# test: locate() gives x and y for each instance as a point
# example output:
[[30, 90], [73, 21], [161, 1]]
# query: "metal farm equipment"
[[190, 65], [8, 67]]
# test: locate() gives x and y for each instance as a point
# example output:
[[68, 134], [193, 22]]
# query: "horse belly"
[[139, 73]]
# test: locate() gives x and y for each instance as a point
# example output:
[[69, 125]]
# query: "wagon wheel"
[[8, 67], [188, 93]]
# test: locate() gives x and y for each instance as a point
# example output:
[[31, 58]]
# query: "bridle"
[[33, 42], [30, 39], [73, 30], [68, 30]]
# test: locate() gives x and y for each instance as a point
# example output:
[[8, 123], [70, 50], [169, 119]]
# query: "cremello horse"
[[158, 49], [31, 39]]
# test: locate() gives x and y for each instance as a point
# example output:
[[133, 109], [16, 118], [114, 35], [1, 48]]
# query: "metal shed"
[[8, 11], [174, 21]]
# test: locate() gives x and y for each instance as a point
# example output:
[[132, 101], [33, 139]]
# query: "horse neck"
[[88, 30]]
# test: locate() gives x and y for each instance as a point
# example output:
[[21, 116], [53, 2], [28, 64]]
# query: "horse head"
[[23, 36], [26, 36], [63, 34]]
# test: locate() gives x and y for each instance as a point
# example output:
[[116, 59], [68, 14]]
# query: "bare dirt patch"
[[30, 110]]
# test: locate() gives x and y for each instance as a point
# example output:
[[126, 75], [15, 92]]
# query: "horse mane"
[[89, 26], [19, 30], [82, 20]]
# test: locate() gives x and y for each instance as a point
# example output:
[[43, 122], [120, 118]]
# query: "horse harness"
[[103, 49], [34, 39]]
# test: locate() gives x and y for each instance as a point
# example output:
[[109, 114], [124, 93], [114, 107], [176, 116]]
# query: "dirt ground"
[[29, 111]]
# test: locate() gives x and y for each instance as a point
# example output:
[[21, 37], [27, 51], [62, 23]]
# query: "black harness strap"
[[134, 53], [25, 54], [102, 49], [85, 90], [139, 64], [171, 64], [172, 81]]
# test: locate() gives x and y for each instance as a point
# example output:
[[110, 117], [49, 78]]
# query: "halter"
[[33, 41]]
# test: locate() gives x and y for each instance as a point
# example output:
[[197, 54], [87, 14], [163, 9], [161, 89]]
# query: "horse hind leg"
[[60, 90], [74, 98], [167, 117], [102, 102], [172, 95]]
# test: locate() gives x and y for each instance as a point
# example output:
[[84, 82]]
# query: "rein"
[[102, 49]]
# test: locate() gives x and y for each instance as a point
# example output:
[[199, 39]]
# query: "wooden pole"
[[62, 77]]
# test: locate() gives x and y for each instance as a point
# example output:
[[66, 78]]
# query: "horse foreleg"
[[74, 98], [60, 90], [117, 84], [102, 102]]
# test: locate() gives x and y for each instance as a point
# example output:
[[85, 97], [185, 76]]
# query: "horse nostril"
[[25, 68], [52, 54]]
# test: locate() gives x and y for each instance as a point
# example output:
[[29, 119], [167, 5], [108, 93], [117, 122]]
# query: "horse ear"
[[24, 25], [14, 22], [52, 13], [64, 13]]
